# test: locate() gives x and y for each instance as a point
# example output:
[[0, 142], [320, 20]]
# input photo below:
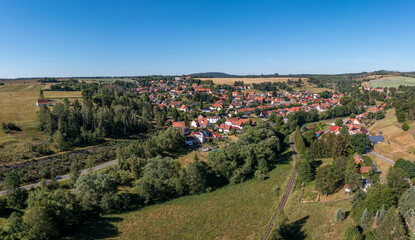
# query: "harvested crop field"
[[392, 82], [18, 101], [247, 80], [18, 105], [398, 143]]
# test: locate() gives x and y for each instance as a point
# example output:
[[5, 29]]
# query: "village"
[[242, 106]]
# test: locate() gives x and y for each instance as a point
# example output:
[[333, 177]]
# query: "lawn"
[[398, 143], [392, 82], [240, 211], [18, 105]]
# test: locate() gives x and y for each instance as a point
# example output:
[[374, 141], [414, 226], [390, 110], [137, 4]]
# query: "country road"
[[286, 193], [382, 157], [67, 176]]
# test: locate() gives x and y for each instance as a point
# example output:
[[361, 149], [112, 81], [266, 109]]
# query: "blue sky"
[[119, 38]]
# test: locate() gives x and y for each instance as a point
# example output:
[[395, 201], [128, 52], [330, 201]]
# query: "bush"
[[405, 127], [7, 127], [339, 216]]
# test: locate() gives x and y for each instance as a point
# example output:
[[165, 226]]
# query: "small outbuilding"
[[43, 102]]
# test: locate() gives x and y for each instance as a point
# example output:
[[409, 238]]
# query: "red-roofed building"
[[365, 169], [335, 129], [43, 102], [357, 159]]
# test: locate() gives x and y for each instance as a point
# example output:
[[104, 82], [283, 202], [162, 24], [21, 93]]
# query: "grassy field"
[[392, 82], [240, 211], [18, 105], [398, 143], [316, 220], [247, 80], [312, 88]]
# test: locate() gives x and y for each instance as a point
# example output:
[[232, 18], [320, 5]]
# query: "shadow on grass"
[[295, 229], [96, 227]]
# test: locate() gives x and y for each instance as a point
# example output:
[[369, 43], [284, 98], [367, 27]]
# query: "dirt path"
[[286, 193]]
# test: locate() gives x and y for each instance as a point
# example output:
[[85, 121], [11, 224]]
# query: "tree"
[[14, 227], [354, 180], [401, 117], [15, 195], [391, 227], [407, 166], [197, 172], [74, 173], [160, 181], [407, 207], [91, 187], [59, 205], [38, 224], [339, 122], [359, 142], [405, 126], [328, 179], [396, 180], [305, 171], [366, 220], [339, 216], [299, 141], [41, 95]]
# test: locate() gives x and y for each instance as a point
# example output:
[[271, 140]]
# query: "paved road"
[[381, 157], [286, 193], [67, 176]]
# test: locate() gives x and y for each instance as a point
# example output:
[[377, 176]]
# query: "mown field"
[[240, 211], [398, 143], [316, 220], [392, 82], [18, 105]]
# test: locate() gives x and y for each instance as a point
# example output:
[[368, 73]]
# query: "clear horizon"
[[49, 38]]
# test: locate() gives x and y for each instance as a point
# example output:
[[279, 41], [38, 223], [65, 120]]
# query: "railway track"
[[286, 193]]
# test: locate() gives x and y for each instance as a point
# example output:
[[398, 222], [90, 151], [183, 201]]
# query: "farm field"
[[392, 82], [247, 80], [240, 211], [105, 79], [18, 105], [398, 143]]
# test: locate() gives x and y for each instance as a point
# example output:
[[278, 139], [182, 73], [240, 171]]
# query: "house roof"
[[364, 169], [179, 124], [376, 139], [42, 101]]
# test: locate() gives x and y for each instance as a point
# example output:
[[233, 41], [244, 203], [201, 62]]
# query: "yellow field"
[[398, 143], [18, 105], [18, 102], [247, 80]]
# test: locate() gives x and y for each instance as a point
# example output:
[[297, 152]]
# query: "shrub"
[[339, 216], [7, 127], [405, 127]]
